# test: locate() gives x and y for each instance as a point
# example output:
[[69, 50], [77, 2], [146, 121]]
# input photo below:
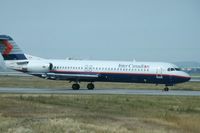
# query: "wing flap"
[[63, 76], [74, 75]]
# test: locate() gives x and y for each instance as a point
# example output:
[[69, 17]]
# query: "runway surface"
[[97, 91]]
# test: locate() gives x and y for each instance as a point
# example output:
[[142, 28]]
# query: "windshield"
[[174, 69], [178, 69]]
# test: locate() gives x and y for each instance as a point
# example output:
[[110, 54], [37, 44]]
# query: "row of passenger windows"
[[98, 68]]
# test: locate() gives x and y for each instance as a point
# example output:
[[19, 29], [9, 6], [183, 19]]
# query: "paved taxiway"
[[97, 91]]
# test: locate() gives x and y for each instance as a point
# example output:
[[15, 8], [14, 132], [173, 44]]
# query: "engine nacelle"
[[38, 67]]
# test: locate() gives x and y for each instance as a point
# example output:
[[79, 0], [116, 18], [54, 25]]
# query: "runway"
[[97, 91]]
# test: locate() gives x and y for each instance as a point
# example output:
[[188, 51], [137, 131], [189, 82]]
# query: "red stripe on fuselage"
[[144, 74]]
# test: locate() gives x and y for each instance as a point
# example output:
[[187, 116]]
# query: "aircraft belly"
[[111, 77]]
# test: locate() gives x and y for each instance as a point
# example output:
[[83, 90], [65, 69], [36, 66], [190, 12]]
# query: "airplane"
[[90, 70]]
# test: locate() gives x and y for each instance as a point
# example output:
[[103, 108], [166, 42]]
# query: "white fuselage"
[[105, 71]]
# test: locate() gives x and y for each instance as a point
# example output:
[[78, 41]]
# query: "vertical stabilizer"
[[10, 50]]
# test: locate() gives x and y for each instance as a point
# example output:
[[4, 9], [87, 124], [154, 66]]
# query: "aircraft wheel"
[[75, 86], [90, 86], [166, 89]]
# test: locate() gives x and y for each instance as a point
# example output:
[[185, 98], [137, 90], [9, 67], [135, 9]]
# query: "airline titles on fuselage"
[[131, 66]]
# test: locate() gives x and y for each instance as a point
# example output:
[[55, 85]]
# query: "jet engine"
[[38, 67]]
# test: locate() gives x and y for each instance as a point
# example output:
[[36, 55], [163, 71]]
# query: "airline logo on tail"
[[10, 50], [8, 47]]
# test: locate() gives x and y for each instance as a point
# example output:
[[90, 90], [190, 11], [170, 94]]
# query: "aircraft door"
[[50, 66], [159, 74]]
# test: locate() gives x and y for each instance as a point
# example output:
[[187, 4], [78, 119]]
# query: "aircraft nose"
[[186, 76]]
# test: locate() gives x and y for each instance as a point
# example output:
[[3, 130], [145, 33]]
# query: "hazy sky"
[[144, 30]]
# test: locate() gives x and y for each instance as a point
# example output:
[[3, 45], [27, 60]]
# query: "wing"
[[71, 77]]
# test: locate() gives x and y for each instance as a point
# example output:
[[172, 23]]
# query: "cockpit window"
[[177, 69], [173, 69]]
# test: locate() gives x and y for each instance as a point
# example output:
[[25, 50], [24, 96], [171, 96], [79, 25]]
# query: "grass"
[[31, 113], [99, 113], [195, 74], [34, 82]]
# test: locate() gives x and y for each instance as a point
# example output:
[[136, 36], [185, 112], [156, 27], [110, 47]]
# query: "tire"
[[90, 86], [75, 86], [166, 89]]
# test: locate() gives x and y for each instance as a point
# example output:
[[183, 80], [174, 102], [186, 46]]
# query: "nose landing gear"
[[166, 88]]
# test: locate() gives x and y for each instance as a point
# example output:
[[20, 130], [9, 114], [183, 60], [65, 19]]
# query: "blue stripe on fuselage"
[[130, 77]]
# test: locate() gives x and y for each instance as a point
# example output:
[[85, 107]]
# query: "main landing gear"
[[90, 86], [76, 86]]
